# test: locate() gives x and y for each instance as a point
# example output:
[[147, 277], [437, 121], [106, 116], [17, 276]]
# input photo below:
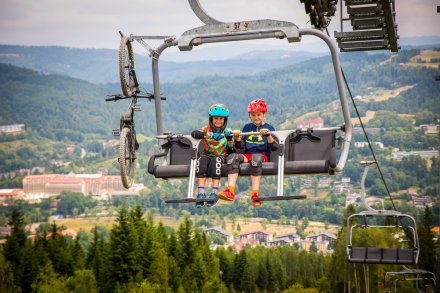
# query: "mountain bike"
[[127, 75], [128, 144]]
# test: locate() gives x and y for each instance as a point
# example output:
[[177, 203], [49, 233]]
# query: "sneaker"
[[212, 203], [255, 199], [200, 204], [226, 195]]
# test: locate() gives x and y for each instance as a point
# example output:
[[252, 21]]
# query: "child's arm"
[[273, 145], [238, 142]]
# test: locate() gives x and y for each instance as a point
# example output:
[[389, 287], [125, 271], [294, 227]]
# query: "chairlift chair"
[[422, 278], [365, 220], [302, 151]]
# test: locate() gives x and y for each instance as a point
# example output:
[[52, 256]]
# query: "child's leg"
[[215, 183], [255, 183], [233, 162], [214, 192], [201, 171], [233, 172], [201, 182], [256, 172]]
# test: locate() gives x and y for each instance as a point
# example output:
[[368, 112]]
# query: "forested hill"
[[101, 65], [51, 102]]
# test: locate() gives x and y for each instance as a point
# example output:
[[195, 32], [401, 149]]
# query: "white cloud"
[[85, 23]]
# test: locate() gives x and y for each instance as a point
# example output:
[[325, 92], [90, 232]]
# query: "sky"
[[95, 24]]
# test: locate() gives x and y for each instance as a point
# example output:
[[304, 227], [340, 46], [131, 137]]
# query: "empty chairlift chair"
[[425, 281], [390, 220]]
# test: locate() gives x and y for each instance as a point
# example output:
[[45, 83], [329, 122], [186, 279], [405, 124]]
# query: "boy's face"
[[218, 121], [257, 118]]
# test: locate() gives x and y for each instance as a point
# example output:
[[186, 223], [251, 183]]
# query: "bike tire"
[[126, 67], [126, 158]]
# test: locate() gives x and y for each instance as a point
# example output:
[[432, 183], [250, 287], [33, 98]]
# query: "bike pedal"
[[116, 132]]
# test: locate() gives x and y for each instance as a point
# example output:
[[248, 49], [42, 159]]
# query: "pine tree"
[[78, 256], [121, 258], [15, 242], [159, 269], [427, 257], [49, 281], [313, 248], [174, 280], [262, 276], [7, 284], [187, 249], [82, 281]]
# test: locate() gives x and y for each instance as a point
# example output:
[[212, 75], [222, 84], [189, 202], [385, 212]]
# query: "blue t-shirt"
[[255, 144]]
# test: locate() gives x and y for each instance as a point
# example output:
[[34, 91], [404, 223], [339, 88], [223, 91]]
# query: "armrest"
[[152, 159]]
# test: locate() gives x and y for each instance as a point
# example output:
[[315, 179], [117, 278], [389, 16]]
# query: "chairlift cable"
[[366, 136]]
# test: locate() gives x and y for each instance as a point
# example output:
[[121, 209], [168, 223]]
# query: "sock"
[[201, 189], [231, 188], [254, 192], [215, 190]]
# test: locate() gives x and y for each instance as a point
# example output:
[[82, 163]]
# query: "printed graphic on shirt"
[[255, 139]]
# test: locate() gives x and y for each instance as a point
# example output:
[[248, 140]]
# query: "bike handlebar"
[[121, 97]]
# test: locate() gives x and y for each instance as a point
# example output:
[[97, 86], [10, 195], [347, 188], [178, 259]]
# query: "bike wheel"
[[126, 158], [126, 67]]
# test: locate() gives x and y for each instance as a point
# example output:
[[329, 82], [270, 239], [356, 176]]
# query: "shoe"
[[255, 199], [213, 203], [200, 204], [226, 195]]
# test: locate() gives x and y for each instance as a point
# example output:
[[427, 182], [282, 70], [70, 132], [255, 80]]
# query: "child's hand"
[[236, 133], [264, 132], [227, 133], [217, 136]]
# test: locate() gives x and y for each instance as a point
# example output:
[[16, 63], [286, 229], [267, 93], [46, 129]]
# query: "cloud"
[[95, 24]]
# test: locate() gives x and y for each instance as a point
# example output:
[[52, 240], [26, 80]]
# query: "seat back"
[[311, 152], [180, 152]]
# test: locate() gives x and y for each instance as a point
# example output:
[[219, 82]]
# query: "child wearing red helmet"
[[217, 144], [257, 150]]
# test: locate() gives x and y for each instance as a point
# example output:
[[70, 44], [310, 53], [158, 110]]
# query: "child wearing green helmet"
[[217, 144]]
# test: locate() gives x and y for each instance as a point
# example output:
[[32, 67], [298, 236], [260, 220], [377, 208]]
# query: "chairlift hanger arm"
[[238, 31]]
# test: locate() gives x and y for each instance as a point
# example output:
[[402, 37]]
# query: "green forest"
[[137, 255]]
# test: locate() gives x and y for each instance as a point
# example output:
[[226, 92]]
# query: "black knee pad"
[[215, 167], [233, 162], [257, 164], [202, 166]]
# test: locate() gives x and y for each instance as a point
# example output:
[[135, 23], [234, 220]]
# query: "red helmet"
[[257, 106]]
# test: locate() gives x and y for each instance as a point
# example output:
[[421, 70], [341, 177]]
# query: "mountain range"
[[101, 65]]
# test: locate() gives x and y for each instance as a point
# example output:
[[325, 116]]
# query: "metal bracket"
[[152, 51], [201, 13], [239, 31]]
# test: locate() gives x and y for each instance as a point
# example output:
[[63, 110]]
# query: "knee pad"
[[257, 165], [233, 162], [215, 167], [202, 166]]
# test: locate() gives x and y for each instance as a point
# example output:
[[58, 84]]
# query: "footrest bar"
[[189, 200], [286, 197]]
